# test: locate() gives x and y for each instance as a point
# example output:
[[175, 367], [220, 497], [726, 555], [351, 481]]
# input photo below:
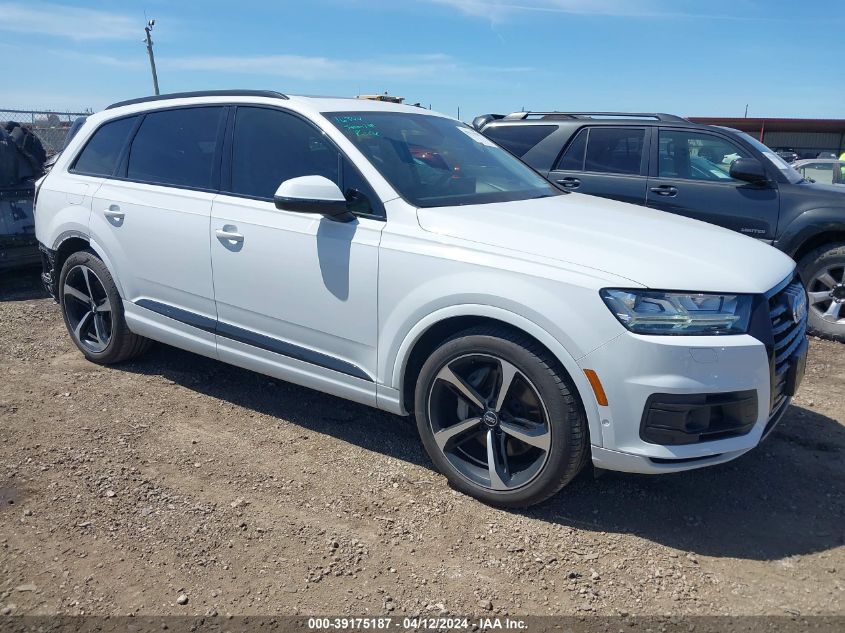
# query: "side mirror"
[[313, 194], [749, 170]]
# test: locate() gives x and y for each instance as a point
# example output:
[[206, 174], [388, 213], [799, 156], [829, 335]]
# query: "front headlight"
[[657, 312]]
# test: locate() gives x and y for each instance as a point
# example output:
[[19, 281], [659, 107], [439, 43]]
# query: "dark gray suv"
[[715, 174]]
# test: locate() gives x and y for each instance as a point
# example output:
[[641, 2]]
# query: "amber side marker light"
[[595, 383]]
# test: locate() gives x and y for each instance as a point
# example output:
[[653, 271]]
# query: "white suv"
[[397, 258]]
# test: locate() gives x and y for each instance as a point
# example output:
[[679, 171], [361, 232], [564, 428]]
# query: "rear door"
[[151, 218], [690, 176], [606, 161]]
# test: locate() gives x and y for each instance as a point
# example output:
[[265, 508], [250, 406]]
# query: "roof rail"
[[483, 119], [272, 94], [657, 116]]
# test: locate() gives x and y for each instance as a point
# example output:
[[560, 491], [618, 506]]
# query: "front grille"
[[788, 333]]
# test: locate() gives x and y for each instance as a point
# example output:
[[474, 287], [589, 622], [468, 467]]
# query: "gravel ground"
[[180, 485]]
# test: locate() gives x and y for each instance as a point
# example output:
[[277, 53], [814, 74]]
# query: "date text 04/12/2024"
[[415, 623]]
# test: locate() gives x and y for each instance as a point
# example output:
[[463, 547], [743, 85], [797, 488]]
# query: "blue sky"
[[783, 58]]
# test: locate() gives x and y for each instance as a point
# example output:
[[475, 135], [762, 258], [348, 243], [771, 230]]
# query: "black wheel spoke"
[[533, 434], [87, 282], [73, 293], [461, 387], [497, 465], [103, 306], [84, 324], [507, 373], [100, 330], [448, 435]]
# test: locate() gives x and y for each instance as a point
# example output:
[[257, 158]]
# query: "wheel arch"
[[810, 230], [817, 240], [72, 242], [431, 331]]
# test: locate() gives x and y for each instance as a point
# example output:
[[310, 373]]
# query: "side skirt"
[[251, 350]]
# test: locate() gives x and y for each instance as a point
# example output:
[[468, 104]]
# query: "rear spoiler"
[[482, 120]]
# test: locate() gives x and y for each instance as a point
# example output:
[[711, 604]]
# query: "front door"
[[690, 175], [295, 293]]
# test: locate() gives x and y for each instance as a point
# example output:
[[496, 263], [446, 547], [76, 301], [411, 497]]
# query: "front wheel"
[[823, 273], [500, 418]]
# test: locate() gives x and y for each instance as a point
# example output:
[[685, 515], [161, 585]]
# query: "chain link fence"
[[49, 126]]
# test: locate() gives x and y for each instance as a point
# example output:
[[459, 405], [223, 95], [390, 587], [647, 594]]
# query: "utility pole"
[[746, 110], [149, 29]]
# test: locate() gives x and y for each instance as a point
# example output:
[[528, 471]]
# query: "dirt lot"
[[123, 489]]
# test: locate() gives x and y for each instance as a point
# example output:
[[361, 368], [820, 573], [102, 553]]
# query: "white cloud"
[[74, 23], [498, 10], [434, 67]]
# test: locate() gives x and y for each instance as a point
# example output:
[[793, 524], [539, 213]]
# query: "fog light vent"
[[672, 419]]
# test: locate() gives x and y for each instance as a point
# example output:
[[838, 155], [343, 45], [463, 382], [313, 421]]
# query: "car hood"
[[652, 248]]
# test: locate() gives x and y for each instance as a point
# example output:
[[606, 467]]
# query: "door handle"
[[665, 190], [229, 233], [569, 182], [114, 213]]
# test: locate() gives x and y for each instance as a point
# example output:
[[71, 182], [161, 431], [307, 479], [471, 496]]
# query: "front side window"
[[101, 153], [695, 156], [176, 147], [271, 146], [519, 139], [433, 161], [613, 150]]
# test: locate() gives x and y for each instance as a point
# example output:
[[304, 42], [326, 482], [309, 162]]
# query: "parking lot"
[[133, 488]]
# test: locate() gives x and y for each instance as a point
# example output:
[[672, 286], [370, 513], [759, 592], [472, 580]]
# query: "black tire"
[[829, 258], [568, 446], [120, 344]]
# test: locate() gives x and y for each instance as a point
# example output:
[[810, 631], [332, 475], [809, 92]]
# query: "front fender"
[[808, 225], [400, 361]]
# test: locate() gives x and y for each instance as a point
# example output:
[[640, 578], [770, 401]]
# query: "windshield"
[[785, 168], [432, 161]]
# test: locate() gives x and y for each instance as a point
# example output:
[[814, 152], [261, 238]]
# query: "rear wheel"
[[500, 418], [93, 311], [823, 273]]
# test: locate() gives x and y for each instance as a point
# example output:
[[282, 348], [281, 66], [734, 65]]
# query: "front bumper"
[[682, 402], [633, 368]]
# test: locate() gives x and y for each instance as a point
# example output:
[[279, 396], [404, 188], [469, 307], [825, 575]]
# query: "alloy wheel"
[[87, 307], [489, 421], [826, 292]]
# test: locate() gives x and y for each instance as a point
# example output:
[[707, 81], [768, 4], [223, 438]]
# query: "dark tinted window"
[[176, 147], [518, 139], [614, 150], [102, 152], [573, 157], [697, 156], [271, 146]]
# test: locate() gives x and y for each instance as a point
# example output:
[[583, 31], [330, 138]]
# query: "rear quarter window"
[[100, 155], [519, 139]]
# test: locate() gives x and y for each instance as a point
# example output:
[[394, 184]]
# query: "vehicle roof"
[[637, 119], [300, 103]]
